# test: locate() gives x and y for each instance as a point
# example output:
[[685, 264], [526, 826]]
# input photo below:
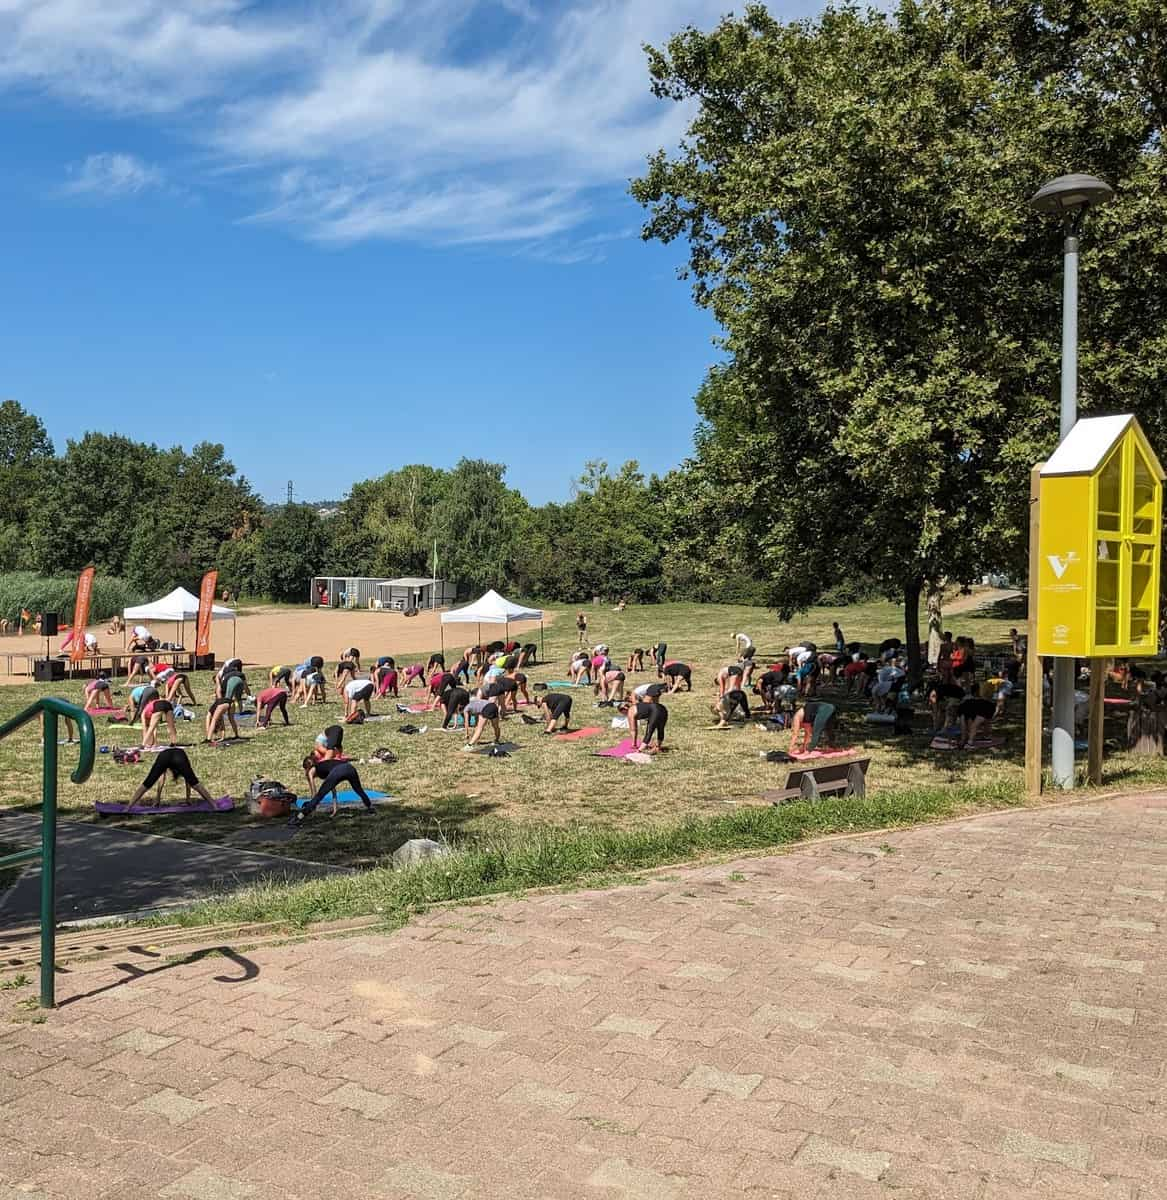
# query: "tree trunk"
[[912, 589]]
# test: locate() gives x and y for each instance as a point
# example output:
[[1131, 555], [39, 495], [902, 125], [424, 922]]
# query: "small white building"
[[400, 595]]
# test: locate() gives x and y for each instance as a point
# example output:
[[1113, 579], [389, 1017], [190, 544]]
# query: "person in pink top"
[[267, 702]]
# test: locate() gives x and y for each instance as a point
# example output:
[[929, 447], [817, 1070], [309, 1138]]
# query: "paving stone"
[[983, 970], [174, 1106], [635, 1183], [1101, 1012], [850, 974], [528, 1093], [424, 1183], [869, 1164], [934, 1014], [710, 1079], [204, 1184], [141, 1042], [708, 971], [643, 936], [636, 1026], [566, 983], [1068, 1154], [474, 1036], [1095, 1077], [359, 1099]]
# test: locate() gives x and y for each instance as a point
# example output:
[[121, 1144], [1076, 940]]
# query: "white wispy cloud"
[[361, 119], [112, 175]]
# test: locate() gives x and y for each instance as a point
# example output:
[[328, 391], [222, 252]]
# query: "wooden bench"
[[811, 782]]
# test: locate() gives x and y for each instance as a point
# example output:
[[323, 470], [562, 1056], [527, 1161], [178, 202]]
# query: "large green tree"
[[852, 190], [26, 454]]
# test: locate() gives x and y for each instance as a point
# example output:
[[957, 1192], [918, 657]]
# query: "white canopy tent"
[[178, 606], [492, 609]]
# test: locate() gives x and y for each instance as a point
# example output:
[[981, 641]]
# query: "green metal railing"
[[52, 710]]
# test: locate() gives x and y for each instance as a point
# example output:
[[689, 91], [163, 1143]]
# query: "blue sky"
[[343, 235]]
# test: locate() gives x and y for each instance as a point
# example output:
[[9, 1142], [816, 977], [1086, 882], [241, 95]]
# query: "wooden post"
[[1033, 679], [1098, 670]]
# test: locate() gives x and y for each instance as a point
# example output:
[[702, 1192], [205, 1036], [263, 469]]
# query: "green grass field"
[[473, 800]]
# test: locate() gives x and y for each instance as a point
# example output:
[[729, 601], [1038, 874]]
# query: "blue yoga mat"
[[563, 683], [347, 799]]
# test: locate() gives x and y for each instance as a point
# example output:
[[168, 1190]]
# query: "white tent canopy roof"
[[179, 605], [491, 609]]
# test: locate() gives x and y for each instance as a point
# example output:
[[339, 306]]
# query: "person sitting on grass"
[[220, 714], [655, 716], [266, 704], [728, 705], [356, 692], [175, 761], [944, 699], [153, 715], [98, 693], [976, 720], [556, 707], [486, 712], [814, 722], [579, 671]]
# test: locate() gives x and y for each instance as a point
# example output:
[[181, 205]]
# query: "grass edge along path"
[[584, 856]]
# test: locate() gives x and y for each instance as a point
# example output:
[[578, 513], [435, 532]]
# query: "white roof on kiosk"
[[491, 609], [1085, 447]]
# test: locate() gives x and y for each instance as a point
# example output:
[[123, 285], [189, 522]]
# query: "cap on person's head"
[[322, 739]]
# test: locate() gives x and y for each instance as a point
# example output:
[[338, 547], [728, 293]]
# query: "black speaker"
[[204, 662], [49, 625], [48, 670]]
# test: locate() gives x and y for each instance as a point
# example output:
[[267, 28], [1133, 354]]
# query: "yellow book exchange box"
[[1101, 511]]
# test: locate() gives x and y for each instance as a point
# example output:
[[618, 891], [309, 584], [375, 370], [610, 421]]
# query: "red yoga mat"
[[576, 734]]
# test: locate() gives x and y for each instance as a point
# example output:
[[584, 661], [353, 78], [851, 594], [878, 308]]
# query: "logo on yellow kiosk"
[[1060, 563]]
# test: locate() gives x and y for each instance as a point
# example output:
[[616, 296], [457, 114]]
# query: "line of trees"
[[161, 517]]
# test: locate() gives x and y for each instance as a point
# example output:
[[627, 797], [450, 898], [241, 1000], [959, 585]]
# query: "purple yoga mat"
[[105, 808], [620, 750]]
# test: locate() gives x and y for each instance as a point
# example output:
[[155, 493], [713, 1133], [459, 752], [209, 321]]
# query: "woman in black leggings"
[[176, 762], [655, 717], [340, 772]]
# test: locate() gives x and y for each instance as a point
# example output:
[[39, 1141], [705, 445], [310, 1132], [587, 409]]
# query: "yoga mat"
[[823, 754], [576, 734], [638, 758], [348, 799], [562, 683], [1115, 700], [980, 744], [109, 712], [105, 808], [415, 708], [620, 750]]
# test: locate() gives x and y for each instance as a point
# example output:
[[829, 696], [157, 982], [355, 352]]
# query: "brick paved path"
[[974, 1010]]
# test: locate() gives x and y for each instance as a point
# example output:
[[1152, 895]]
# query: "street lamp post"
[[1068, 196]]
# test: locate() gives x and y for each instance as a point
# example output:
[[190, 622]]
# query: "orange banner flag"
[[81, 613], [206, 605]]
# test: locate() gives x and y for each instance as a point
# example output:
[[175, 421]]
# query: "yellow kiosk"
[[1101, 503]]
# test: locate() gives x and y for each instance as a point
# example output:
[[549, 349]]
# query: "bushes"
[[43, 593]]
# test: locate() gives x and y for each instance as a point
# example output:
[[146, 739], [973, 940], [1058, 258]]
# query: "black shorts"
[[161, 706], [215, 705], [490, 712], [559, 706], [139, 663], [365, 693]]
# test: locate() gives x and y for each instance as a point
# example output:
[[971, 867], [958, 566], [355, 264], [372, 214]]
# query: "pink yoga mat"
[[823, 754], [576, 734], [105, 808], [1115, 700], [104, 712], [620, 750]]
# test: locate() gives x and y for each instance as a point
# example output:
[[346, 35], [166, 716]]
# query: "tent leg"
[[542, 648]]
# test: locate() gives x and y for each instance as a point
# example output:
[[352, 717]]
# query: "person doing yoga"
[[655, 717], [728, 705], [280, 675], [98, 694], [177, 763], [636, 660], [453, 702], [220, 714], [266, 704], [139, 698], [332, 773], [153, 715], [814, 721], [356, 692], [487, 713], [556, 707], [677, 673]]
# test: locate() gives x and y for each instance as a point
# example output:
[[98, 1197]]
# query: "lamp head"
[[1070, 193]]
